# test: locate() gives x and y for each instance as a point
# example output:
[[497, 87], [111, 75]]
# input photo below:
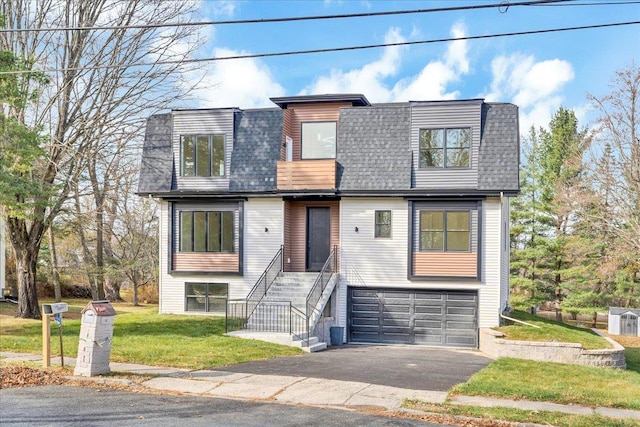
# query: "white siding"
[[506, 259], [383, 262], [259, 249], [446, 115], [202, 122], [489, 307], [260, 246]]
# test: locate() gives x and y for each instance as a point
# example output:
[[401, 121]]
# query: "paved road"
[[403, 366], [87, 406]]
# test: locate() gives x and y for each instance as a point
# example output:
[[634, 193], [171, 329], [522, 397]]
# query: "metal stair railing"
[[237, 316], [317, 290]]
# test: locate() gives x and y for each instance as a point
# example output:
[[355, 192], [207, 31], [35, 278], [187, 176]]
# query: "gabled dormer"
[[309, 140]]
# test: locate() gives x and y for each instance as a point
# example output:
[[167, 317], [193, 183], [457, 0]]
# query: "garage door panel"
[[447, 318]]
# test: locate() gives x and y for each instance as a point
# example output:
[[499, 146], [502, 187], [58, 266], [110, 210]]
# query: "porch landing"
[[281, 338]]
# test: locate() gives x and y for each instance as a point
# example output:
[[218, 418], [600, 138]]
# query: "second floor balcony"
[[307, 175]]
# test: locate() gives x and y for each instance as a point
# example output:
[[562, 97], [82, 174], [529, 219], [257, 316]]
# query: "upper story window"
[[206, 231], [319, 140], [202, 155], [446, 231], [383, 224], [445, 148]]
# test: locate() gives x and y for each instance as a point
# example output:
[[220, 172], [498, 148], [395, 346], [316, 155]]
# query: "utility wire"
[[326, 50], [503, 5]]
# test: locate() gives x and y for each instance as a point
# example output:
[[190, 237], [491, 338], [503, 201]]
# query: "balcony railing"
[[307, 175]]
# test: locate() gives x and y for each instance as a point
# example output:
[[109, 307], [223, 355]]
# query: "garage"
[[410, 316]]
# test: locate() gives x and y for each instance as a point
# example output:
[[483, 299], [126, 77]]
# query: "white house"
[[389, 220]]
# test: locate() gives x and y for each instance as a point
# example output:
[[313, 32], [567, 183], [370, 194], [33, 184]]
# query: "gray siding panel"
[[192, 122], [157, 161], [499, 148], [373, 148], [258, 140], [445, 115]]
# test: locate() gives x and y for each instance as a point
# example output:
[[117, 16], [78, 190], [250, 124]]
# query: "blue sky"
[[539, 73]]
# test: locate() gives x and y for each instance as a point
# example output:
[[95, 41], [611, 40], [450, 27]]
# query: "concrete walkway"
[[310, 391]]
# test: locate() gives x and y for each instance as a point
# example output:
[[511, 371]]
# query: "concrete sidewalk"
[[311, 391]]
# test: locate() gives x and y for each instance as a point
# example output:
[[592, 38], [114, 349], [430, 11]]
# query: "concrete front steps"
[[272, 317], [281, 338]]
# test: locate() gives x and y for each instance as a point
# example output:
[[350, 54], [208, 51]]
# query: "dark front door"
[[318, 237]]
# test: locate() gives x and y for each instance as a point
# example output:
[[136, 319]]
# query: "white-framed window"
[[206, 297], [206, 231], [202, 155], [318, 140], [445, 231], [445, 148], [382, 224]]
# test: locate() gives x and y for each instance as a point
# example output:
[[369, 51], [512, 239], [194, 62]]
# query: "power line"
[[326, 50], [506, 4]]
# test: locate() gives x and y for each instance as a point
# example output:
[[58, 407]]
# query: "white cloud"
[[369, 79], [435, 77], [532, 85], [244, 83]]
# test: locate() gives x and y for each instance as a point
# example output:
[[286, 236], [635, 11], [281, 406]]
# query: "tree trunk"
[[26, 260], [135, 288], [54, 267]]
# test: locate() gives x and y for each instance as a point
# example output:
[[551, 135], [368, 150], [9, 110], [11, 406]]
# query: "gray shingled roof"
[[499, 148], [156, 168], [620, 310], [258, 139], [374, 148]]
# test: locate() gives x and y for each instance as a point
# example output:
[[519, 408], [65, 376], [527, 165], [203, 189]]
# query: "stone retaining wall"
[[493, 343]]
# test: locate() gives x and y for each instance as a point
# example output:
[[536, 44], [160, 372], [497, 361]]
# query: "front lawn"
[[141, 335], [551, 331], [555, 382]]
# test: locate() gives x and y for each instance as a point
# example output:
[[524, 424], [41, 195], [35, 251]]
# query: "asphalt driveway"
[[403, 366]]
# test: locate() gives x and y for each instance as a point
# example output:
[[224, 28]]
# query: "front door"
[[318, 237]]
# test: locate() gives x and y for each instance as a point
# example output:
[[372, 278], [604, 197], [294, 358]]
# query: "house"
[[624, 321], [388, 220]]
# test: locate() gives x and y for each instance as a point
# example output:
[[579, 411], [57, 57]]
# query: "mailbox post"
[[48, 311], [96, 333]]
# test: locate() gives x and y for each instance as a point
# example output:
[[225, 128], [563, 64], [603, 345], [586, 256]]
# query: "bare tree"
[[103, 82]]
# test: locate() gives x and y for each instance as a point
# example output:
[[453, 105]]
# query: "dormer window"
[[445, 148], [318, 140], [202, 155]]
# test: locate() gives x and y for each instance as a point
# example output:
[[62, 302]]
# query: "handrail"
[[329, 268], [264, 281]]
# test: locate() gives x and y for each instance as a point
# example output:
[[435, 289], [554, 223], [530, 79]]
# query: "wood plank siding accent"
[[445, 264], [307, 175], [287, 131], [295, 231], [206, 262], [322, 112]]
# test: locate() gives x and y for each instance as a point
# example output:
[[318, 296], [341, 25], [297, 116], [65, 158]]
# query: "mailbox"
[[55, 308], [96, 334]]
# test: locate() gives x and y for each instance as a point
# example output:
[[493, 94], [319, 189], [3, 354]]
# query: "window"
[[206, 297], [210, 231], [383, 224], [202, 155], [445, 148], [319, 140], [445, 231]]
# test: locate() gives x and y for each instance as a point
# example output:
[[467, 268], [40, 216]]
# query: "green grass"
[[141, 335], [551, 331], [558, 419], [555, 382]]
